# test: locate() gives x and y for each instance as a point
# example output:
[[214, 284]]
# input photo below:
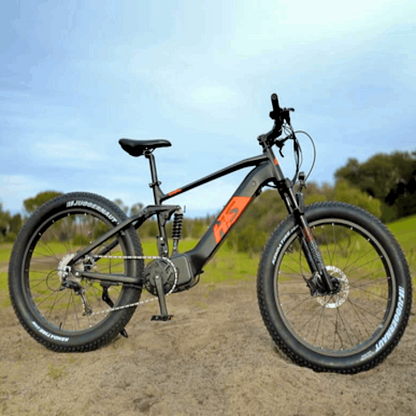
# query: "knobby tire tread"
[[281, 344], [18, 252]]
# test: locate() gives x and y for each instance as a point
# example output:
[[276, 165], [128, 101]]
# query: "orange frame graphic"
[[229, 216]]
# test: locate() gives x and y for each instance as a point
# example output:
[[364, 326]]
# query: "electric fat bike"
[[333, 285]]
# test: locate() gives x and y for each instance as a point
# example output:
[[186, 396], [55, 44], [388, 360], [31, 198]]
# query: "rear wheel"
[[355, 329], [58, 309]]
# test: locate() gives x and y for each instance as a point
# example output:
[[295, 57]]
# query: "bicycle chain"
[[131, 305]]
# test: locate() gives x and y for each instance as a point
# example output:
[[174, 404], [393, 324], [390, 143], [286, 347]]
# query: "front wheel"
[[354, 329]]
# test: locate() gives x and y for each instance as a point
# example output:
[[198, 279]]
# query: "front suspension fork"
[[313, 257], [310, 248]]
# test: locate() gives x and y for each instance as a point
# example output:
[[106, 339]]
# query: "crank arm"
[[164, 316]]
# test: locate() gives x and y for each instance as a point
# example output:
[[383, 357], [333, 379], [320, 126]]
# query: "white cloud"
[[200, 74], [16, 188], [68, 153]]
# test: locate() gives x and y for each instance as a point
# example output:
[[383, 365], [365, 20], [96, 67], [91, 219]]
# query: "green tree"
[[120, 203], [315, 193], [32, 204], [4, 223], [15, 224], [260, 219], [345, 192], [9, 225], [136, 208], [387, 177]]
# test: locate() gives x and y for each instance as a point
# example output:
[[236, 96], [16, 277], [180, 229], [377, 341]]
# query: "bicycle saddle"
[[138, 147]]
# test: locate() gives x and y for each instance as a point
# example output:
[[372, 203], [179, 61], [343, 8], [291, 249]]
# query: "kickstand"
[[164, 316], [106, 298]]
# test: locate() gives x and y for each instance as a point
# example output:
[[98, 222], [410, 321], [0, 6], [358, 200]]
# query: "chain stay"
[[131, 305]]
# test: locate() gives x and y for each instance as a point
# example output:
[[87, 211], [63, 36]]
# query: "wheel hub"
[[63, 269], [65, 272], [336, 300]]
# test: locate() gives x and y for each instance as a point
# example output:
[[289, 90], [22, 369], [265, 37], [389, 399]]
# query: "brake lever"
[[286, 114], [280, 149], [280, 144]]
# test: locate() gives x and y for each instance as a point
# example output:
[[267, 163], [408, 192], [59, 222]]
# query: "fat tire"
[[377, 346], [37, 325]]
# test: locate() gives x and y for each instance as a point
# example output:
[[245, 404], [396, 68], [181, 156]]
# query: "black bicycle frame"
[[266, 169], [245, 193]]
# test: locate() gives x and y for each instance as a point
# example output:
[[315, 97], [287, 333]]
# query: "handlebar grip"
[[274, 115], [275, 102]]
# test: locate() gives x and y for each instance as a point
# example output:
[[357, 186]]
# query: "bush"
[[345, 192]]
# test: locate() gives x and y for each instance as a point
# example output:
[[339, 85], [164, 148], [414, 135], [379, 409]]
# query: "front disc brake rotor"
[[336, 300]]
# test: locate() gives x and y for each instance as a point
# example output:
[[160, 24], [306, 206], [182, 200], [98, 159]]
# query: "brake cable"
[[297, 149]]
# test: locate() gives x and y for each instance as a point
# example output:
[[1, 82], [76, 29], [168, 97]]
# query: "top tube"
[[253, 161]]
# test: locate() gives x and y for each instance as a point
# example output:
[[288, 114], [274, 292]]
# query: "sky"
[[76, 76]]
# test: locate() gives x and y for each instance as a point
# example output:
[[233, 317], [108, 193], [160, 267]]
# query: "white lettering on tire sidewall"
[[281, 244], [392, 328], [48, 334], [94, 206]]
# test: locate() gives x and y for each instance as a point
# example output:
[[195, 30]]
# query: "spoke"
[[335, 241], [365, 311], [75, 309], [347, 266], [375, 295], [298, 303], [49, 309], [309, 320], [349, 319], [47, 248], [40, 303], [350, 251], [347, 328], [361, 317], [327, 244]]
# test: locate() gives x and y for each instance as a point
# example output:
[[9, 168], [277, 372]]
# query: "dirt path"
[[215, 358]]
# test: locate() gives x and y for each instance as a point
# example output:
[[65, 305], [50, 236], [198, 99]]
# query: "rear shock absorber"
[[177, 230]]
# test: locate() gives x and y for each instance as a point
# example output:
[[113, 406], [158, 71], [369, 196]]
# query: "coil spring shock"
[[177, 229]]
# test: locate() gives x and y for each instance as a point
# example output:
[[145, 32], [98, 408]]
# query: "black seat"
[[138, 147]]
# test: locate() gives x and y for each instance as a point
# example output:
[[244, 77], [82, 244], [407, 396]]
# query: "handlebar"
[[275, 105], [279, 115]]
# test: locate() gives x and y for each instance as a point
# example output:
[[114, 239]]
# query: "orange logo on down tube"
[[174, 192], [229, 216]]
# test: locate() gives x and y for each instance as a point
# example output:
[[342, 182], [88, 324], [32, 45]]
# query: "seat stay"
[[166, 211]]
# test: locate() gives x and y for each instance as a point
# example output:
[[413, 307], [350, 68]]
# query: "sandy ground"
[[214, 358]]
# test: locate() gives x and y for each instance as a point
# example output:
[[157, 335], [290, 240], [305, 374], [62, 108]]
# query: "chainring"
[[162, 268]]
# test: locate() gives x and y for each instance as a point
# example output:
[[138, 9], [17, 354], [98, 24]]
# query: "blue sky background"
[[78, 75]]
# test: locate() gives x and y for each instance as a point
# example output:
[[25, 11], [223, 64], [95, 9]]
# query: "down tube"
[[216, 233]]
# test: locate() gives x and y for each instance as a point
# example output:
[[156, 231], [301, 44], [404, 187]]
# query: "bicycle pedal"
[[161, 318]]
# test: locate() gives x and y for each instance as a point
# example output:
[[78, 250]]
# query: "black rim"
[[51, 247], [353, 320]]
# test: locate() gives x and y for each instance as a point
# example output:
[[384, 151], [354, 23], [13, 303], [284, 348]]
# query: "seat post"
[[155, 184], [158, 195]]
